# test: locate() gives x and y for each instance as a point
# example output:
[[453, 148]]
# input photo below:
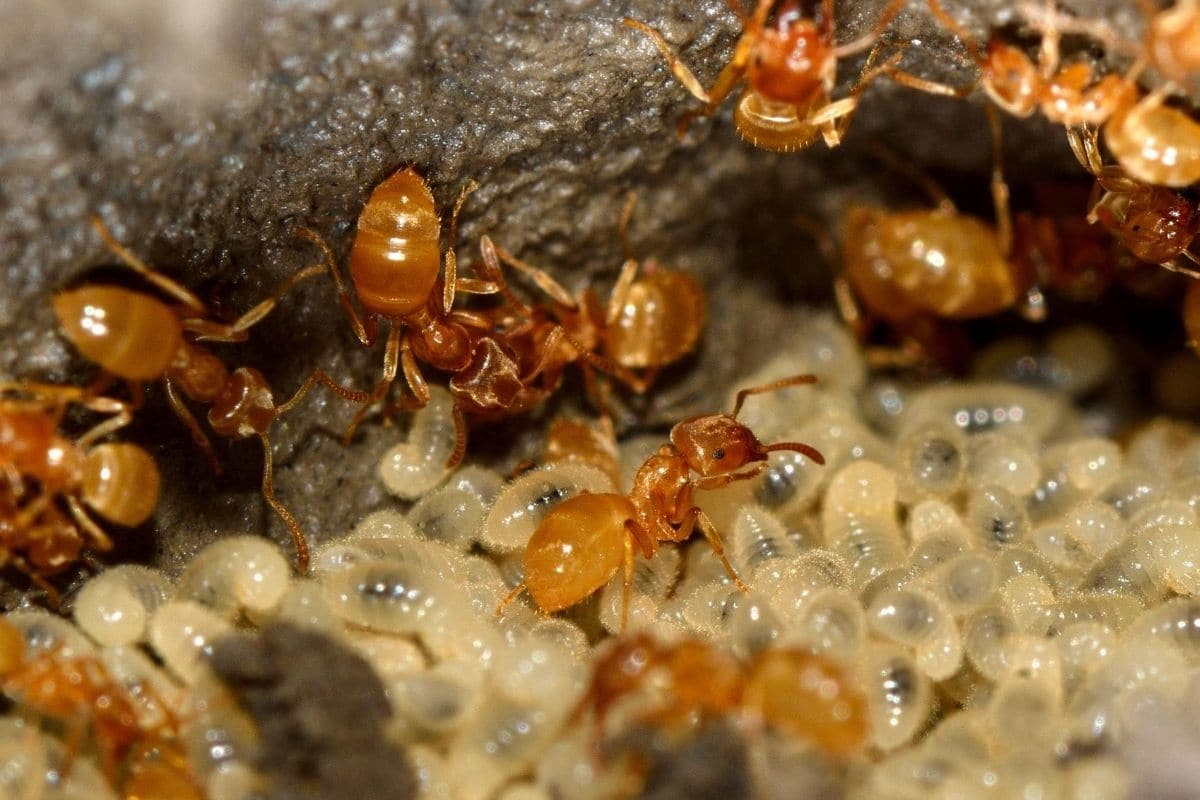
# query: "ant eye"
[[719, 453]]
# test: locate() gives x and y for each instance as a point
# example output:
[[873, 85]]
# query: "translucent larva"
[[964, 582], [1029, 602], [524, 503], [434, 557], [434, 703], [985, 406], [43, 632], [502, 741], [539, 671], [1177, 622], [393, 658], [759, 546], [157, 695], [995, 517], [805, 576], [386, 523], [1140, 670], [899, 696], [830, 621], [996, 458], [989, 635], [1083, 647], [218, 736], [931, 460], [1133, 491], [304, 603], [1115, 610], [751, 625], [1090, 465], [412, 468], [918, 620], [114, 607], [450, 515], [1123, 569], [930, 552], [1026, 704], [239, 572], [394, 597], [235, 781], [870, 546], [860, 489], [653, 579], [182, 633], [1168, 536]]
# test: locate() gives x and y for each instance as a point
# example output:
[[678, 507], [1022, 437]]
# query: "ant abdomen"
[[524, 503], [128, 333], [115, 606], [121, 483], [240, 572]]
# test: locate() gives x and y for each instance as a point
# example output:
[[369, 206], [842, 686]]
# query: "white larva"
[[43, 632], [524, 503], [114, 607], [182, 633], [653, 580], [917, 619], [413, 467], [899, 696], [239, 572]]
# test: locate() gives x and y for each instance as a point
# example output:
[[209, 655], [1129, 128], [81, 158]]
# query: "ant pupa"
[[789, 65], [584, 541]]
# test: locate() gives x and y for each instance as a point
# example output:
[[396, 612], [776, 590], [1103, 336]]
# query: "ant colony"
[[896, 559]]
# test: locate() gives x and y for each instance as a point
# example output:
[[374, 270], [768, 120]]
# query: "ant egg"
[[114, 607], [653, 579], [996, 517], [899, 696], [234, 573], [1000, 459], [182, 633], [43, 632], [449, 515], [931, 460], [830, 621], [523, 504], [434, 703], [989, 635], [964, 582], [918, 620], [394, 597], [987, 406], [412, 468], [758, 545], [1091, 465]]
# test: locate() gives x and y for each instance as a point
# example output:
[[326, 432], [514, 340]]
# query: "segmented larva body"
[[239, 572], [114, 607], [182, 633], [523, 504], [918, 620], [395, 261], [414, 467], [899, 696]]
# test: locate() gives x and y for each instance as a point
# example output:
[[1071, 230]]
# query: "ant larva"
[[582, 542], [789, 64], [40, 468], [137, 337]]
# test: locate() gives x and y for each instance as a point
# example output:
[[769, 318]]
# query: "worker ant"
[[801, 693], [789, 64], [586, 539], [137, 337], [50, 485]]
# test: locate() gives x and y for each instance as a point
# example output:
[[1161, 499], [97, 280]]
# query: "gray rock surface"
[[203, 133]]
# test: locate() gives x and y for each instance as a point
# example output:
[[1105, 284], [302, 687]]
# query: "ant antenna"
[[783, 383]]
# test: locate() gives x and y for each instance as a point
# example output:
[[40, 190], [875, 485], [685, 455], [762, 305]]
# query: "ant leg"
[[80, 515], [547, 284], [123, 417], [694, 515], [1086, 147], [1174, 266], [189, 421], [949, 23], [717, 481], [412, 374], [364, 330], [293, 525], [209, 331], [606, 365], [1000, 199], [620, 292], [627, 584], [460, 437], [834, 118], [507, 601], [491, 268], [391, 362], [52, 595], [451, 283], [168, 285], [856, 46], [623, 224], [782, 383]]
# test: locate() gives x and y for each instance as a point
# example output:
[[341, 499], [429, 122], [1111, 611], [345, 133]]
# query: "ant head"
[[716, 444], [789, 60]]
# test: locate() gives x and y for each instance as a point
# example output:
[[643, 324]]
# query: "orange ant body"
[[801, 693], [501, 362], [1156, 224], [117, 481], [136, 337], [790, 67], [651, 320], [79, 692], [585, 540]]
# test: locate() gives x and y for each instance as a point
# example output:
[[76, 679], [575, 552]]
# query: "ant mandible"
[[790, 68], [136, 337], [585, 540]]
